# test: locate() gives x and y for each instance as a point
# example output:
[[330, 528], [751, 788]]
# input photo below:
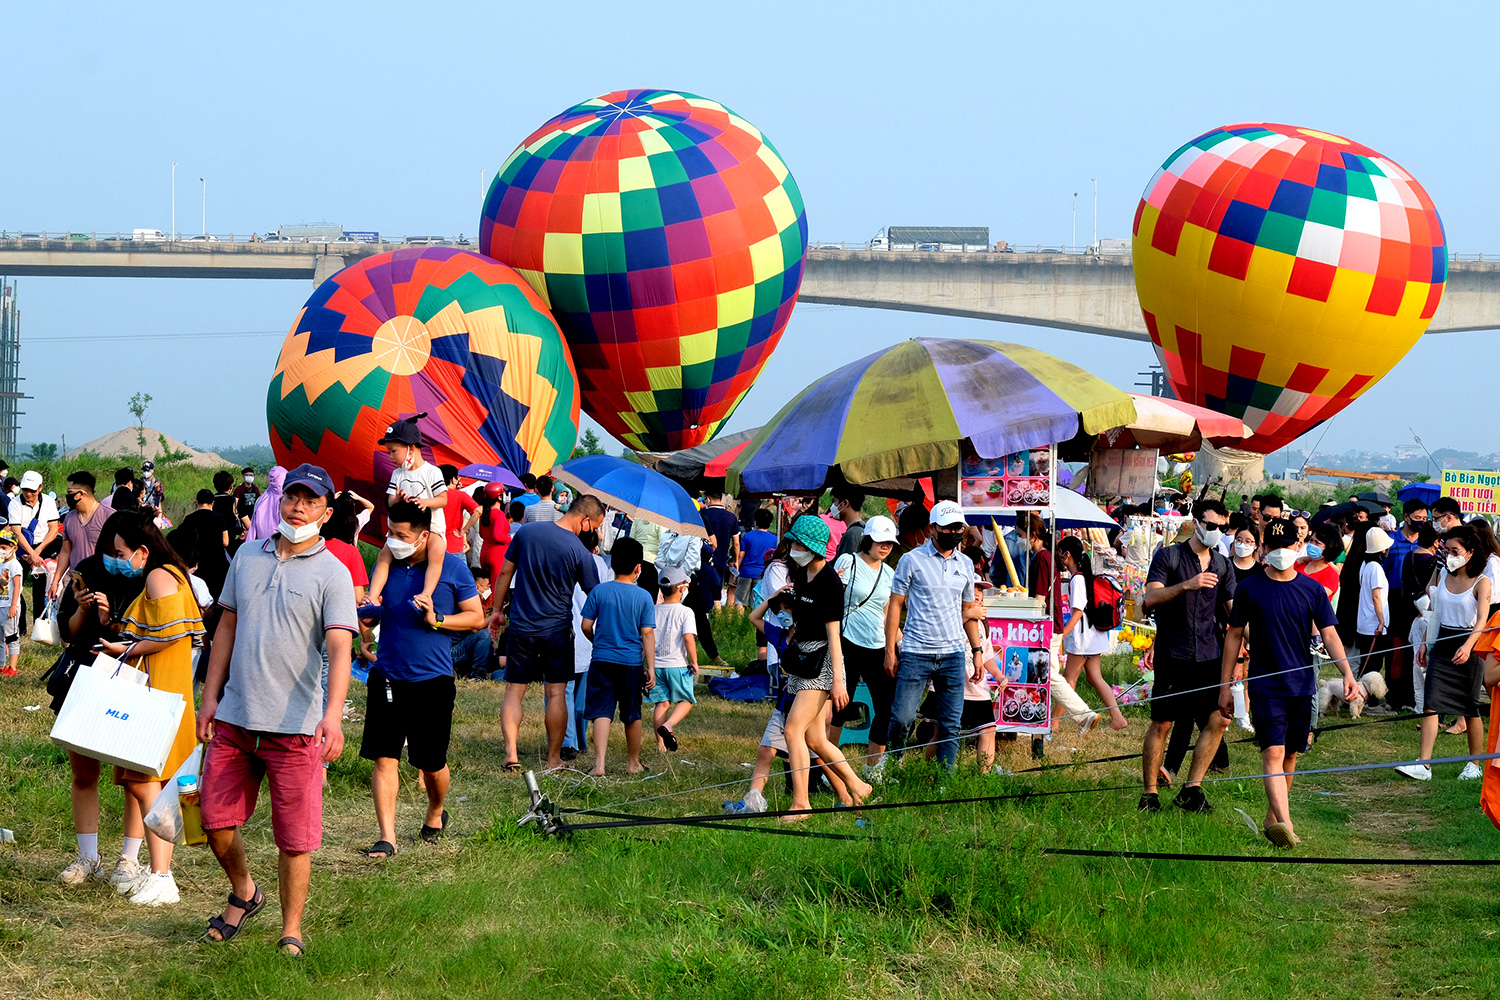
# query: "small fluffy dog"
[[1331, 695]]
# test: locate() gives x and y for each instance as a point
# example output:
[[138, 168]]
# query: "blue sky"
[[382, 116]]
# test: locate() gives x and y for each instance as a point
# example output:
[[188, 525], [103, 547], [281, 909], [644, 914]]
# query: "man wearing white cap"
[[34, 518], [933, 582]]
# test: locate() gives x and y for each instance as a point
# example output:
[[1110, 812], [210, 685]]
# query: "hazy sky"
[[382, 116]]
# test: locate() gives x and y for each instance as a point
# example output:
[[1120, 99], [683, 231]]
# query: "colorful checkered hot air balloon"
[[444, 331], [668, 236], [1282, 271]]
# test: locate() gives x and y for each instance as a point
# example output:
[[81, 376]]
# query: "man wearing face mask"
[[263, 711], [1446, 514], [543, 562], [1403, 611], [1189, 588], [933, 583], [1282, 608], [411, 681]]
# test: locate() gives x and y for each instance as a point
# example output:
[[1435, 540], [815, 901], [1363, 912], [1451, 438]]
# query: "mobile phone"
[[75, 580]]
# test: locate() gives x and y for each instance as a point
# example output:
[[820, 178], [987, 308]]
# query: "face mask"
[[1244, 549], [946, 541], [297, 533], [400, 549], [1281, 558], [801, 556], [249, 479], [1208, 536], [149, 474], [484, 595], [112, 565], [1314, 551], [410, 461], [1456, 563], [6, 555]]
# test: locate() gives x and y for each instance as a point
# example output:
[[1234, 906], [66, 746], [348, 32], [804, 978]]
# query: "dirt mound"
[[126, 444]]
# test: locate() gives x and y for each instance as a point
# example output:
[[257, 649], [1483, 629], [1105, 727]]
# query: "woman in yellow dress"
[[158, 632]]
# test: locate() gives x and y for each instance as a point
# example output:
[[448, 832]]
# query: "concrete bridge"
[[1082, 292]]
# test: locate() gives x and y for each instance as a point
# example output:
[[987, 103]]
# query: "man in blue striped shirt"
[[933, 583]]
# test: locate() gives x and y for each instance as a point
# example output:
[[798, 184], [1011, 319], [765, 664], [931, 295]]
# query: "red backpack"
[[1106, 607]]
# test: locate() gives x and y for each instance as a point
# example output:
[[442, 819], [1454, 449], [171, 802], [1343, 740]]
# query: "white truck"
[[306, 234], [934, 239]]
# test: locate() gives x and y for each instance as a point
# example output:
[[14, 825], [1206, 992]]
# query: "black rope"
[[1288, 859]]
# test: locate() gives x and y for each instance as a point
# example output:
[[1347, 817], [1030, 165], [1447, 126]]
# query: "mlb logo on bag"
[[143, 721], [117, 714]]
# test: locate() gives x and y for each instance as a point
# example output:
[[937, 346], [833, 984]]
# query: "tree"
[[588, 445], [168, 453], [138, 405], [42, 453]]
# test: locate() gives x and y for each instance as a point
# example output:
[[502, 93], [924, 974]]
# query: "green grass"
[[953, 902]]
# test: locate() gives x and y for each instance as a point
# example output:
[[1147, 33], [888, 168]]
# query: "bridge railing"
[[13, 237]]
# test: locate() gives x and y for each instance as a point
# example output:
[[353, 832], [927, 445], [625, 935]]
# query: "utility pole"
[[1073, 240], [1096, 211], [205, 205], [174, 201]]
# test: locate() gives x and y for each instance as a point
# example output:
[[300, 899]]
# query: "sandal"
[[286, 944], [511, 765], [432, 834], [668, 738], [226, 930], [384, 848]]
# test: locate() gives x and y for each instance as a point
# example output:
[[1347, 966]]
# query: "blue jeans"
[[471, 654], [946, 671], [575, 736]]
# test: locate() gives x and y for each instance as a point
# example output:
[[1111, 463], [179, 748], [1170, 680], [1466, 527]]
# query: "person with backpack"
[[1095, 606]]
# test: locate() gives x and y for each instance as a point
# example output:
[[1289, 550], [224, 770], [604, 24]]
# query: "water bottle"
[[1241, 710], [189, 800]]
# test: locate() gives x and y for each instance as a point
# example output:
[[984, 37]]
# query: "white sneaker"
[[127, 876], [156, 890], [1471, 772], [1419, 772], [81, 870]]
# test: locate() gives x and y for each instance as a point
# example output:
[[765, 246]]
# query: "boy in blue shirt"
[[620, 620]]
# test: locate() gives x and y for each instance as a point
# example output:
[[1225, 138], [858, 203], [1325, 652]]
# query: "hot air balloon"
[[436, 330], [667, 236], [1282, 271]]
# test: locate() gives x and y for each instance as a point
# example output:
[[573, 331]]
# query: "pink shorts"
[[234, 765]]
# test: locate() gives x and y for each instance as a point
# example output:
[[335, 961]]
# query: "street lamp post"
[[1073, 240], [174, 201], [205, 205], [1096, 210]]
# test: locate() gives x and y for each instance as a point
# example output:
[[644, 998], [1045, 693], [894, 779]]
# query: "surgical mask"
[[801, 556], [946, 541], [149, 474], [1281, 558], [410, 461], [484, 595], [249, 479], [400, 549], [1456, 563], [116, 566], [1244, 549], [297, 533], [1314, 551], [7, 554], [1208, 535]]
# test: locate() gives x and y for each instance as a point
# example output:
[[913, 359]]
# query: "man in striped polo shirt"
[[933, 582]]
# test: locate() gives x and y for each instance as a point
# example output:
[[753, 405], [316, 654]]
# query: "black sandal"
[[226, 930], [432, 834], [287, 943], [667, 737], [384, 848]]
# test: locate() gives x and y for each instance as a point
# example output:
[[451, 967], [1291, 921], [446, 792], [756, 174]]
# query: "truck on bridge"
[[944, 239], [306, 234]]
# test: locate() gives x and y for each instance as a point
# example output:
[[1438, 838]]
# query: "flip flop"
[[668, 738], [511, 765], [287, 943], [384, 848], [226, 930], [432, 834], [1280, 835]]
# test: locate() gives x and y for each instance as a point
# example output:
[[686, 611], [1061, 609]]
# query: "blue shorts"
[[1281, 720], [673, 684], [614, 686], [533, 658]]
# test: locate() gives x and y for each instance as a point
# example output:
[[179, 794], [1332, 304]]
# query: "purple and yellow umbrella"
[[904, 412]]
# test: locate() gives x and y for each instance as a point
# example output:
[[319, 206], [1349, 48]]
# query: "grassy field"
[[952, 902]]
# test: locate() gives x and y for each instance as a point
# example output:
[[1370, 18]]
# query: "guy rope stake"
[[543, 812]]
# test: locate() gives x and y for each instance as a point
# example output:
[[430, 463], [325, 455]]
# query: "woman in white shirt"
[[1083, 643], [1373, 615], [867, 589]]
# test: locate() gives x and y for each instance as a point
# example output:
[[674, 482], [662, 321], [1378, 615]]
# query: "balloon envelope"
[[436, 330], [667, 236], [1282, 271]]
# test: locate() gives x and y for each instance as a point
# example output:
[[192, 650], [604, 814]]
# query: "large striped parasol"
[[904, 412]]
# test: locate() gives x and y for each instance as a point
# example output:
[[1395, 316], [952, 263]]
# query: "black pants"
[[1181, 742], [701, 601]]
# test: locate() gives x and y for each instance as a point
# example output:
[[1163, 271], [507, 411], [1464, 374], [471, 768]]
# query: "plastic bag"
[[165, 815], [44, 629]]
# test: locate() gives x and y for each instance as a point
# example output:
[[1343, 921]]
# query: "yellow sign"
[[1475, 490]]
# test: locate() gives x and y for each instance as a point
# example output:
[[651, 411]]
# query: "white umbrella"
[[1069, 509]]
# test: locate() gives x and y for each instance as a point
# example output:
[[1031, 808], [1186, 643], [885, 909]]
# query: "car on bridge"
[[201, 238]]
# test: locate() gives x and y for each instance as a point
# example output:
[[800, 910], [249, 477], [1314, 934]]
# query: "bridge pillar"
[[327, 266]]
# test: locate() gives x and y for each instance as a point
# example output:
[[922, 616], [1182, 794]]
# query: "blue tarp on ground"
[[757, 688]]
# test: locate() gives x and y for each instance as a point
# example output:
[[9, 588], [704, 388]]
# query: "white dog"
[[1331, 695]]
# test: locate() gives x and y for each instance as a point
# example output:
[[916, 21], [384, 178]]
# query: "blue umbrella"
[[633, 488], [491, 474], [1425, 492]]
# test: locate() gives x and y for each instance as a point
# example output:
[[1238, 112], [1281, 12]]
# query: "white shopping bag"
[[44, 628], [111, 717], [164, 818]]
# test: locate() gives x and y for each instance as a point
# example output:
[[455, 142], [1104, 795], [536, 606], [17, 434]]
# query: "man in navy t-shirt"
[[543, 562], [1282, 608], [725, 529], [411, 679]]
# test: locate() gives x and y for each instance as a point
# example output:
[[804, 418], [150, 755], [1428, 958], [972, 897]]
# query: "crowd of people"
[[258, 608]]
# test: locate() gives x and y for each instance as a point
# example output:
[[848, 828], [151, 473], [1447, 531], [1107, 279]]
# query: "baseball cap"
[[31, 480], [7, 537], [404, 432], [1376, 540], [810, 530], [1281, 533], [311, 476], [880, 529], [672, 576], [946, 513], [148, 465]]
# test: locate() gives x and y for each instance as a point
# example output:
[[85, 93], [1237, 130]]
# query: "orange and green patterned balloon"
[[1282, 271], [437, 330]]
